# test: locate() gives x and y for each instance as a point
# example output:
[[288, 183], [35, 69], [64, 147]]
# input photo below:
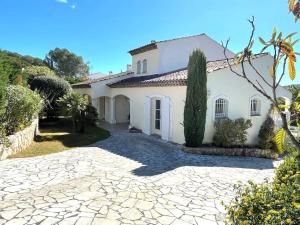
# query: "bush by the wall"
[[268, 203], [74, 105], [23, 106], [230, 133], [91, 115], [51, 88], [266, 134]]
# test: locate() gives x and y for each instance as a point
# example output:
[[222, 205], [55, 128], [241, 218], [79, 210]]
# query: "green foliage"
[[23, 106], [3, 104], [267, 203], [279, 140], [51, 89], [11, 64], [74, 80], [229, 133], [196, 100], [74, 105], [266, 134], [295, 106], [66, 63], [91, 115], [34, 71]]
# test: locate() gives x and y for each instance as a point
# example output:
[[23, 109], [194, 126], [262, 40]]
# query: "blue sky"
[[103, 31]]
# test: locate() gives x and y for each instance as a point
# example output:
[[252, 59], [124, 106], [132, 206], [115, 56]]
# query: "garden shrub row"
[[23, 106], [233, 133], [268, 203]]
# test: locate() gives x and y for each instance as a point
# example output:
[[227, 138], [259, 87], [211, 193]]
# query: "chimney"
[[129, 68], [110, 73]]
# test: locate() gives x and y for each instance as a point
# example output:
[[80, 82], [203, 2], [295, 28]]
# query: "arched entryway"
[[122, 109]]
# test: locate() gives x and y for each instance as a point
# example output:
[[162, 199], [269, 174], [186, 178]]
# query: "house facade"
[[150, 95]]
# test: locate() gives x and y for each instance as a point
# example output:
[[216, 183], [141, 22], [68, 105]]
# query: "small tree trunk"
[[289, 133]]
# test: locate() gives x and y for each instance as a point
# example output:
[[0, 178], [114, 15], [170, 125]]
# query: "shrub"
[[267, 203], [266, 134], [91, 114], [196, 100], [35, 71], [51, 89], [230, 133], [3, 104], [74, 105], [23, 106]]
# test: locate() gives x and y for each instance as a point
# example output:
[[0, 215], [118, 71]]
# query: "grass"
[[59, 137]]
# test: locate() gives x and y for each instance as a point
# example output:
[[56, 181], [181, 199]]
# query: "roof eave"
[[142, 49]]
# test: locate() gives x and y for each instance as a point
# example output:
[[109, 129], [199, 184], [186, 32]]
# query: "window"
[[255, 107], [144, 66], [157, 114], [221, 108], [139, 67]]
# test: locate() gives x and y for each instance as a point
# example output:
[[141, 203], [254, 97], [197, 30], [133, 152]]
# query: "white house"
[[151, 95]]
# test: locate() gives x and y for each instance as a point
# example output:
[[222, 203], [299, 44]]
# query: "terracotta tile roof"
[[174, 78], [87, 83]]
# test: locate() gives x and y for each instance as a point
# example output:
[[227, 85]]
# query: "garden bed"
[[247, 152]]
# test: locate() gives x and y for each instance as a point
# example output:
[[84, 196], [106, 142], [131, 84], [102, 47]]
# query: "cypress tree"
[[196, 100]]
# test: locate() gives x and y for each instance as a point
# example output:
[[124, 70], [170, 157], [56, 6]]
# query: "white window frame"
[[138, 67], [257, 111], [226, 106], [145, 66]]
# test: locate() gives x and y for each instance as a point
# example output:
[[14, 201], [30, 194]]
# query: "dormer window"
[[144, 66], [139, 67]]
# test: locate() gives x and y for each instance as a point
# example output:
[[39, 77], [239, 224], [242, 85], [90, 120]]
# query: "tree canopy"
[[11, 64], [66, 63]]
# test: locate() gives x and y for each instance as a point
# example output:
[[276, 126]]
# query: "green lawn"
[[59, 137]]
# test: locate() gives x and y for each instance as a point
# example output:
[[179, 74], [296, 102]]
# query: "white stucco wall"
[[137, 99], [220, 83], [101, 89], [152, 58], [83, 91], [175, 54], [239, 93]]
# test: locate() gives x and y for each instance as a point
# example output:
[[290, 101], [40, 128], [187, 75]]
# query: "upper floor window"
[[221, 108], [144, 66], [255, 106], [139, 67]]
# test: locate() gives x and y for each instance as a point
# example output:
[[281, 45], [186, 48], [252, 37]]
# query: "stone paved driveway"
[[126, 179]]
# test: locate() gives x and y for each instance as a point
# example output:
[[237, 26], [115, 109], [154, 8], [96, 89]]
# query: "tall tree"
[[196, 100], [66, 63]]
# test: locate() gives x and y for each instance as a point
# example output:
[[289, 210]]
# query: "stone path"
[[126, 179]]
